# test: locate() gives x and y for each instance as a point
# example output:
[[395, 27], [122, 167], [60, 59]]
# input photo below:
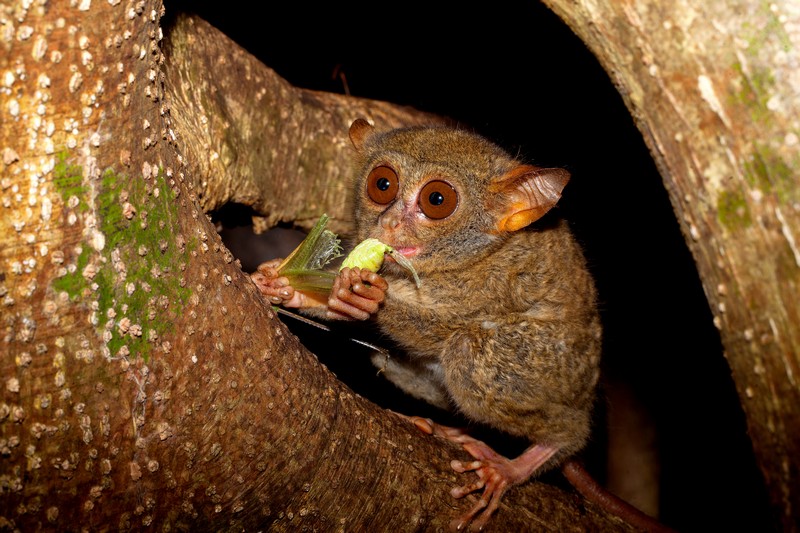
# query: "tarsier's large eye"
[[438, 199], [382, 185]]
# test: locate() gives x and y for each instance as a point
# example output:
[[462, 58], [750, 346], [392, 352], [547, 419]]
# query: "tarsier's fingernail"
[[285, 293]]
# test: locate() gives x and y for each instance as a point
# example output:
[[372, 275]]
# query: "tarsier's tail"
[[595, 493]]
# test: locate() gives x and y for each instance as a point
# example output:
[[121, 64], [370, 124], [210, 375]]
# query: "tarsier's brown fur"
[[510, 316], [504, 327]]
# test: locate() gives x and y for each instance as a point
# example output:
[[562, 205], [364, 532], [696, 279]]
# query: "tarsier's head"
[[444, 197]]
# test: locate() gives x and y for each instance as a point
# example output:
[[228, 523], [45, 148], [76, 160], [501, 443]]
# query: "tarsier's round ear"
[[360, 131], [526, 193]]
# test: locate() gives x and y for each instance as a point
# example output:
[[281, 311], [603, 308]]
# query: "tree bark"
[[252, 138], [713, 87], [145, 381]]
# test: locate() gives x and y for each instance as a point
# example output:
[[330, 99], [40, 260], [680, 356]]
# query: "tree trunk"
[[146, 383], [713, 87]]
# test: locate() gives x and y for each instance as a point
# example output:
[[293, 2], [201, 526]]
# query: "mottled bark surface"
[[145, 383], [714, 88], [252, 138]]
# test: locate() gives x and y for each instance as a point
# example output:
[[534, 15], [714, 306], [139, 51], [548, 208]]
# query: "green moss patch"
[[141, 244], [733, 211], [68, 180], [74, 283], [768, 172], [151, 258]]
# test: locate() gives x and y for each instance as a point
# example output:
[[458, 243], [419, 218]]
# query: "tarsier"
[[503, 327]]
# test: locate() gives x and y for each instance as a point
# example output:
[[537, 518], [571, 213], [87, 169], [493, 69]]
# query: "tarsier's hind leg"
[[496, 473]]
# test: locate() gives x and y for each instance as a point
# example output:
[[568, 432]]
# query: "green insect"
[[369, 255]]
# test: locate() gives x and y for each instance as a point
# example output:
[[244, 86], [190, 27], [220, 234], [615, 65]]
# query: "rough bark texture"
[[145, 383], [254, 139], [714, 88]]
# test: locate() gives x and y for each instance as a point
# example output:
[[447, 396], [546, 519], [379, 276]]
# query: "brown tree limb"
[[713, 87], [252, 138]]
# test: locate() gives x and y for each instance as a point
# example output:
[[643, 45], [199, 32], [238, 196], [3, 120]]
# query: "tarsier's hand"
[[277, 288], [356, 294]]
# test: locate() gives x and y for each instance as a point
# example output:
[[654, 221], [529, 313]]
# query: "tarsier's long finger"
[[338, 304], [286, 294], [262, 282], [343, 308], [370, 293], [352, 304], [373, 278], [461, 467], [460, 492], [276, 290], [270, 268], [345, 301], [368, 285], [459, 524], [425, 425], [482, 451], [478, 516], [454, 434], [486, 514]]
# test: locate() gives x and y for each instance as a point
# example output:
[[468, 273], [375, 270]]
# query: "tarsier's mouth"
[[407, 251]]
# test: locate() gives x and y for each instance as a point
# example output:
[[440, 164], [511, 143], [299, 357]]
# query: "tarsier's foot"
[[496, 473], [356, 294]]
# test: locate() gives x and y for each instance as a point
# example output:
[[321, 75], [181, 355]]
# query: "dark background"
[[517, 74]]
